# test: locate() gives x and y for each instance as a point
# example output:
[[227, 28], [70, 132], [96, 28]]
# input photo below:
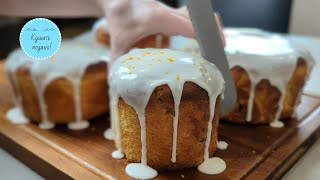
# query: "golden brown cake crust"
[[192, 128], [103, 37], [59, 96], [266, 96]]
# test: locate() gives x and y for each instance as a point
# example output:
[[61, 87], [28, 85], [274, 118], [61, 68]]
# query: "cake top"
[[70, 59], [256, 42], [142, 69]]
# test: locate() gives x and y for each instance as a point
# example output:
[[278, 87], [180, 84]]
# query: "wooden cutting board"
[[254, 152]]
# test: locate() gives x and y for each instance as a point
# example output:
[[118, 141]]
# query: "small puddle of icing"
[[117, 154], [277, 124], [212, 166], [46, 125], [222, 145], [140, 171], [109, 134], [16, 116], [78, 125]]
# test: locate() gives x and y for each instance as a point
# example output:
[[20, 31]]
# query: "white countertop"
[[307, 168]]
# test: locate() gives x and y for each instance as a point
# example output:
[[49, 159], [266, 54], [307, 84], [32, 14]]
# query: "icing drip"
[[212, 98], [177, 93], [117, 154], [61, 65], [16, 116], [222, 145], [14, 61], [78, 123], [115, 120], [141, 171], [142, 119], [212, 166], [109, 134], [134, 76], [45, 123], [262, 54]]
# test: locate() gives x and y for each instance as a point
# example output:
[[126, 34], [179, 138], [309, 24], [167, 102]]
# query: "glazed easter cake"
[[100, 29], [268, 72], [165, 111], [62, 89]]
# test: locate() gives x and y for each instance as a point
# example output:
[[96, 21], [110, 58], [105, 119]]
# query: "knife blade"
[[211, 46]]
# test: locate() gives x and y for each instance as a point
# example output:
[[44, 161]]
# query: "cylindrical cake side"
[[266, 96], [152, 41], [192, 128], [295, 88], [59, 97]]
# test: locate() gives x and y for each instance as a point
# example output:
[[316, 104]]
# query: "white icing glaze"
[[135, 75], [212, 166], [70, 63], [14, 61], [222, 145], [109, 134], [117, 154], [262, 54], [16, 116], [140, 171], [277, 124]]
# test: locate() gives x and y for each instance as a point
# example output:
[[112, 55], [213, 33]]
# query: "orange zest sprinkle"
[[129, 73], [130, 67], [178, 77], [145, 53], [170, 60], [160, 60], [128, 59]]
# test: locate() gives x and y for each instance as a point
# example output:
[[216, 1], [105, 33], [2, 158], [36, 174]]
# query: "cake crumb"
[[178, 77]]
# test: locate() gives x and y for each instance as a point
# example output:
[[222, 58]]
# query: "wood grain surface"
[[254, 152]]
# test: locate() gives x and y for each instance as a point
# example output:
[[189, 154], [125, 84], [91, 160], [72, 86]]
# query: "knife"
[[211, 46]]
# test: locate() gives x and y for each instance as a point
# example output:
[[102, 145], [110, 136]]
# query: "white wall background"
[[305, 17]]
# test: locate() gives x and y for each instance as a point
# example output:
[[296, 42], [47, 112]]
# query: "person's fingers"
[[118, 49], [175, 24], [183, 11]]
